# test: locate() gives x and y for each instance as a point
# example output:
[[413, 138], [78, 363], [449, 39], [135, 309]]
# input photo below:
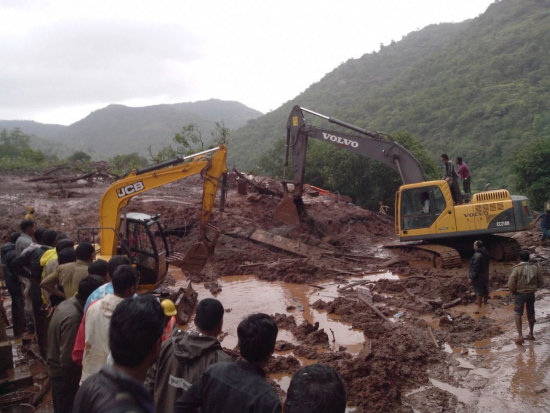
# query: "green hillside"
[[118, 129], [479, 89]]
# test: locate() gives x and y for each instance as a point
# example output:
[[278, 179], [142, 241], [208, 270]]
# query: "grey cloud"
[[81, 61]]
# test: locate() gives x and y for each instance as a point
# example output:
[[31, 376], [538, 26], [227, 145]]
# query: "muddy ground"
[[427, 350]]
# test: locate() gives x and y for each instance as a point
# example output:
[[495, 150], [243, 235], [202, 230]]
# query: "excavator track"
[[502, 248], [440, 256]]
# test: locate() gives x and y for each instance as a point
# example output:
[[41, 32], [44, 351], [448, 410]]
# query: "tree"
[[221, 134], [188, 141], [79, 156], [15, 151], [188, 136], [165, 153], [531, 167], [122, 164], [271, 162]]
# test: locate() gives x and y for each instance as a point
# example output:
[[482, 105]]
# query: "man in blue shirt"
[[102, 291]]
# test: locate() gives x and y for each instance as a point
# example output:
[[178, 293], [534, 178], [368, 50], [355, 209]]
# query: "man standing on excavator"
[[465, 175], [452, 178]]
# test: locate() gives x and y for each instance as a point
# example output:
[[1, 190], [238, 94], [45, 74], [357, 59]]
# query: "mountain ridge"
[[119, 129]]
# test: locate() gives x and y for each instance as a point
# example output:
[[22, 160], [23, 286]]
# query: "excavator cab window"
[[420, 207], [145, 248], [139, 240]]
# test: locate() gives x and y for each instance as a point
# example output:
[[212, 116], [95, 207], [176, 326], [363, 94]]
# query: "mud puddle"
[[243, 294]]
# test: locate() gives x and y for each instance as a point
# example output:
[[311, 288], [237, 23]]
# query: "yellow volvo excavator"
[[424, 210], [141, 236]]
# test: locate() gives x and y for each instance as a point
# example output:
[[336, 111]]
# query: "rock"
[[445, 321]]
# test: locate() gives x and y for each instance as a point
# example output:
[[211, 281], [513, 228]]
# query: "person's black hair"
[[445, 156], [25, 225], [316, 389], [98, 267], [257, 334], [479, 243], [60, 236], [524, 255], [459, 158], [14, 236], [88, 285], [209, 313], [64, 243], [39, 234], [84, 251], [48, 238], [136, 326], [124, 277], [115, 262], [66, 255]]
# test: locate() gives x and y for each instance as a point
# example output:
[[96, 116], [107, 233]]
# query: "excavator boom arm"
[[120, 192], [371, 145]]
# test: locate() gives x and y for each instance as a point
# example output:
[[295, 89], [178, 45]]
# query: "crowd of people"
[[108, 349]]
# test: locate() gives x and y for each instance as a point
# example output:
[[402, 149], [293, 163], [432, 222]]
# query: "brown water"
[[492, 375], [245, 294]]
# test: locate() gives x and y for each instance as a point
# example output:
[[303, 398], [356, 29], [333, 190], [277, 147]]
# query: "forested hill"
[[119, 129], [479, 89]]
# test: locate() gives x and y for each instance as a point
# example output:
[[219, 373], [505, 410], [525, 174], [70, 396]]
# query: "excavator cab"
[[420, 207], [142, 239]]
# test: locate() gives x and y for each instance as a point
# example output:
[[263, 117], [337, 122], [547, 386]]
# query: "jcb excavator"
[[141, 236], [424, 210]]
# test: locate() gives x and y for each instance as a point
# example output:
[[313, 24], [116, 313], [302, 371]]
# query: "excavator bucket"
[[287, 212], [196, 257], [290, 210], [198, 254]]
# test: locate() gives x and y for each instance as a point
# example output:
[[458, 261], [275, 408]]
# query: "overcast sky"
[[62, 59]]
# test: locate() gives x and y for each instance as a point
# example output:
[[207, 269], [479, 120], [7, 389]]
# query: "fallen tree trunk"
[[453, 303], [260, 189], [366, 299]]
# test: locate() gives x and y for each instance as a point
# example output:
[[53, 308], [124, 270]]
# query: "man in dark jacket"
[[62, 370], [25, 239], [186, 354], [452, 178], [479, 273], [11, 275], [30, 260], [135, 335], [239, 386], [544, 226]]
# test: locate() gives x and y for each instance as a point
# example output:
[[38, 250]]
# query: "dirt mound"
[[399, 356], [464, 329]]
